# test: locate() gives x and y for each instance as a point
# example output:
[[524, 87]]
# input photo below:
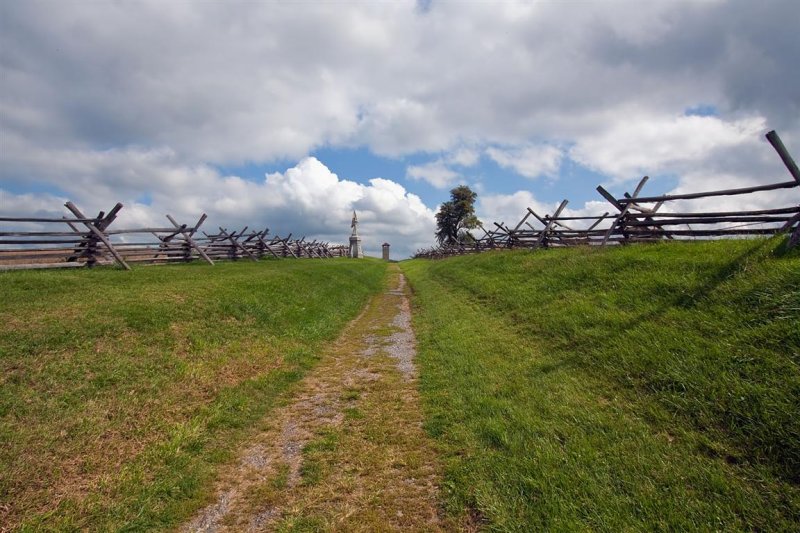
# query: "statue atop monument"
[[355, 239]]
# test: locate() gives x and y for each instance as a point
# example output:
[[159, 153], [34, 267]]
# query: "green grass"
[[633, 388], [313, 468], [122, 392]]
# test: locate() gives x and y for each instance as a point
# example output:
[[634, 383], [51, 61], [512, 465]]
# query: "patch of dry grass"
[[120, 392]]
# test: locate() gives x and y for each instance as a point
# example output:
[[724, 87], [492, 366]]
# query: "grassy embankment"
[[639, 388], [122, 392]]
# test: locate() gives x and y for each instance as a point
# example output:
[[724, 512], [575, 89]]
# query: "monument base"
[[355, 248]]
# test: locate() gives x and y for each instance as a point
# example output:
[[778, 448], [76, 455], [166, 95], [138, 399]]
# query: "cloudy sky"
[[292, 114]]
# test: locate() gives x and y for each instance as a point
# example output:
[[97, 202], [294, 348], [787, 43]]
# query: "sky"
[[290, 115]]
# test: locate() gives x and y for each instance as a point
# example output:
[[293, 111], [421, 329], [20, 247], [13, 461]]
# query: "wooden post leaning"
[[88, 246], [542, 241], [98, 232], [619, 221], [187, 236]]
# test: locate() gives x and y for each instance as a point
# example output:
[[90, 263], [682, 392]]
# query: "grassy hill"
[[633, 388], [121, 392], [639, 388]]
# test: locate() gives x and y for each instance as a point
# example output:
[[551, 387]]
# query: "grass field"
[[628, 389], [637, 388], [122, 392]]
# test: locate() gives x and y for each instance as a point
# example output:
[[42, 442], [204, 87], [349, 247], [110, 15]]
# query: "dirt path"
[[348, 452]]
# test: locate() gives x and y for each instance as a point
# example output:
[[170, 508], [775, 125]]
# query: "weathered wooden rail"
[[76, 241], [635, 218]]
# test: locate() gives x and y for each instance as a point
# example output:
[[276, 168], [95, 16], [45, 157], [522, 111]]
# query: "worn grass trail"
[[347, 452]]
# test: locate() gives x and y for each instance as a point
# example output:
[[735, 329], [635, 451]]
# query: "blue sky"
[[291, 116]]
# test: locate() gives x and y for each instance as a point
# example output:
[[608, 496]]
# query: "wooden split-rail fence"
[[79, 240], [635, 218]]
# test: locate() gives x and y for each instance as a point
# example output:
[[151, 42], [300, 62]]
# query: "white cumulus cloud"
[[530, 161], [658, 144], [437, 173]]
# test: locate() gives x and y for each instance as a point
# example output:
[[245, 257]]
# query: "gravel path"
[[347, 453]]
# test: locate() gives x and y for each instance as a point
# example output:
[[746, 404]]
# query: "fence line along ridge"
[[634, 218], [85, 241]]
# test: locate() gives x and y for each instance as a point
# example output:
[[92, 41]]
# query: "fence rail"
[[634, 218], [79, 240]]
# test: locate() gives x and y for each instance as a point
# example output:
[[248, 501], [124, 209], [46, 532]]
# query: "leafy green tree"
[[456, 217]]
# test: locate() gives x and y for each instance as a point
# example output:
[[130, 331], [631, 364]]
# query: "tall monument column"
[[355, 240]]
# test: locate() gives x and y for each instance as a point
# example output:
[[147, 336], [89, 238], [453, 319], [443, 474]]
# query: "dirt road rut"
[[348, 452]]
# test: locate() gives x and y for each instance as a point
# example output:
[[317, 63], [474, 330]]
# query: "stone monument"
[[355, 240]]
